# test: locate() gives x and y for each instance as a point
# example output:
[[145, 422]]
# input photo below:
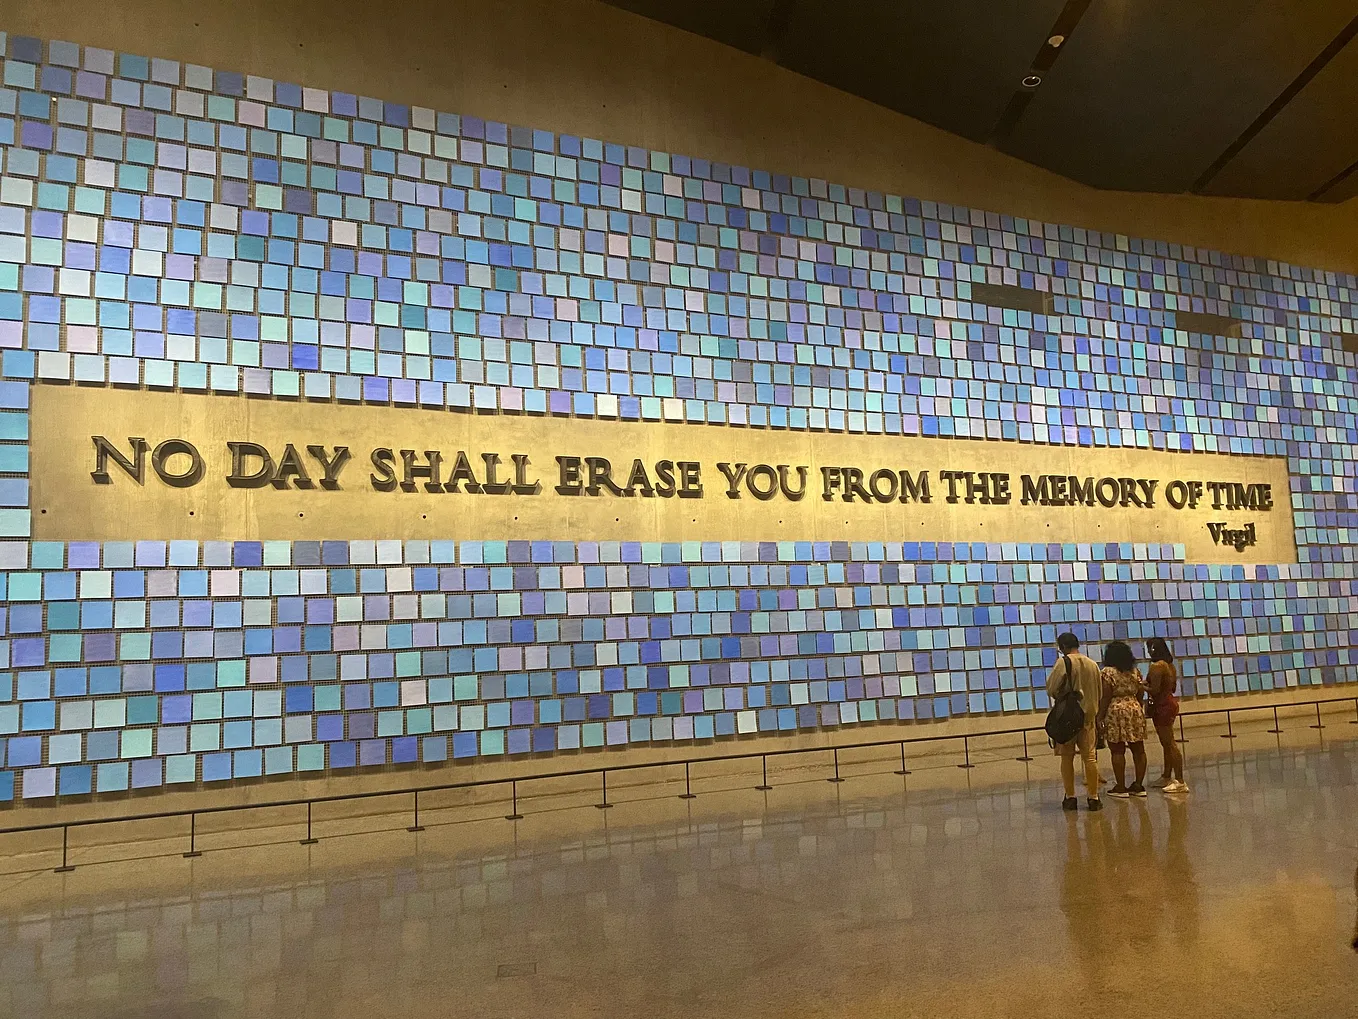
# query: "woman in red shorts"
[[1161, 682]]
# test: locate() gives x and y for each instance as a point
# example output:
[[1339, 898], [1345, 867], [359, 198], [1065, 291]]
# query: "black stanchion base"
[[901, 771], [1316, 727], [1278, 732], [966, 765], [195, 853], [308, 842], [418, 827], [688, 796], [835, 779], [63, 870], [1228, 735], [1023, 759], [513, 817], [603, 806], [763, 788]]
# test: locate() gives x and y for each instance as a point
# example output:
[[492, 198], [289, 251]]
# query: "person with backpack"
[[1075, 689]]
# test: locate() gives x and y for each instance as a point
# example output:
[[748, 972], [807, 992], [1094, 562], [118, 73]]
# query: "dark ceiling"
[[1252, 98]]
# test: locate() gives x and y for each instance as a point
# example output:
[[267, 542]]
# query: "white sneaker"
[[1177, 787]]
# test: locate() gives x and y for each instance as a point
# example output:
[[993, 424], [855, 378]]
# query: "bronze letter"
[[384, 463], [569, 482], [639, 480], [493, 485], [733, 475], [789, 493], [410, 470], [462, 474], [521, 485], [238, 478], [103, 449], [664, 479], [332, 466], [169, 448], [690, 481]]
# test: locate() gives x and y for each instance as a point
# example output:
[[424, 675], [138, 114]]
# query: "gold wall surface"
[[553, 499]]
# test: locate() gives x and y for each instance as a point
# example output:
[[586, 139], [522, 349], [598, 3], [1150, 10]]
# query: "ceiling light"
[[1055, 41], [1032, 81]]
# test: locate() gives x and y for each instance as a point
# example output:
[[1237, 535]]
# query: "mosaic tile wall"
[[175, 227]]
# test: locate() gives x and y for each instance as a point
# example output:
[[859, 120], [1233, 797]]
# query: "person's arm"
[[1056, 677], [1156, 680]]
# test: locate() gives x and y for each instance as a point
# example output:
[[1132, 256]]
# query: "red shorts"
[[1165, 712]]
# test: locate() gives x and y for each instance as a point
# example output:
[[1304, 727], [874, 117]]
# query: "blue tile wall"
[[170, 226]]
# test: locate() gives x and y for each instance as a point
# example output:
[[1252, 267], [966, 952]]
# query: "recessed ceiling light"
[[1032, 81], [1055, 41]]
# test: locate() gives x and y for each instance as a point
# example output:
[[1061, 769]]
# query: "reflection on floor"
[[947, 893]]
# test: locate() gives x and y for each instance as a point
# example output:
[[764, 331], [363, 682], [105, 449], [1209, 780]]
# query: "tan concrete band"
[[126, 465]]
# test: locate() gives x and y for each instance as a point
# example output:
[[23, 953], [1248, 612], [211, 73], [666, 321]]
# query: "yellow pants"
[[1085, 743]]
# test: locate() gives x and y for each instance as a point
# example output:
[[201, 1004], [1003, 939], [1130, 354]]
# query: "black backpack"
[[1066, 717]]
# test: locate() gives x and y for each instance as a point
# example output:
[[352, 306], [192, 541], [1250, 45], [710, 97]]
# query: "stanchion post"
[[309, 840], [416, 826], [764, 786], [966, 752], [605, 805], [514, 814], [1277, 727], [1182, 738], [688, 793], [1025, 756], [836, 778], [1319, 724], [1355, 712], [193, 838], [1229, 733], [65, 867], [902, 770]]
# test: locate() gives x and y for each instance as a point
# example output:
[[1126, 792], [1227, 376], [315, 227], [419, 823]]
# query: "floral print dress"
[[1125, 721]]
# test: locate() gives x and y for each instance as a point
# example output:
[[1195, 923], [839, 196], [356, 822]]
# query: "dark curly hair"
[[1118, 655], [1159, 650]]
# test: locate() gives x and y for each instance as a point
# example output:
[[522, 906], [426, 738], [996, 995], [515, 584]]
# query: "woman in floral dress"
[[1123, 719]]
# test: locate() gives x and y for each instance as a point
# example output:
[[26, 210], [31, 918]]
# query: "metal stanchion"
[[514, 814], [308, 841], [966, 751], [605, 805], [1277, 728], [1229, 733], [1182, 738], [903, 770], [1025, 756], [416, 826], [764, 786], [65, 867], [193, 838], [1355, 712], [688, 793], [1319, 724], [836, 778]]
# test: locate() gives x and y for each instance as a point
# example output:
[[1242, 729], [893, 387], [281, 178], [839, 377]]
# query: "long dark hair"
[[1159, 650], [1118, 655]]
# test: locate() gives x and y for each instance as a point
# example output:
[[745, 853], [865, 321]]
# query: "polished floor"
[[944, 893]]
